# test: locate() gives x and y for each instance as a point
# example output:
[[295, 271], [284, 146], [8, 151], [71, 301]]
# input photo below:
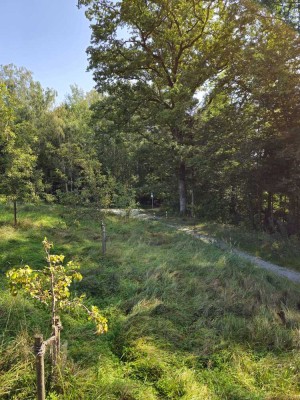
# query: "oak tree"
[[156, 56]]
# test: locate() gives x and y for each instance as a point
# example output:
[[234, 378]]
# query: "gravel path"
[[293, 276], [276, 269]]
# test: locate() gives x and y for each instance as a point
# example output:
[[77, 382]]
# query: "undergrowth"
[[186, 320]]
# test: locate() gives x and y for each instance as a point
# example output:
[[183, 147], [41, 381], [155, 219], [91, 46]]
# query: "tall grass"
[[186, 320], [279, 249]]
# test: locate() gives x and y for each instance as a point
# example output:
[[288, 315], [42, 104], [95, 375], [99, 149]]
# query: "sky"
[[49, 38]]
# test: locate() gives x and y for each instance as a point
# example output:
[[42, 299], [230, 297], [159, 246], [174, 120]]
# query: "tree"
[[287, 10], [68, 155], [20, 181], [51, 287], [6, 115], [26, 102], [16, 158], [156, 56], [248, 158]]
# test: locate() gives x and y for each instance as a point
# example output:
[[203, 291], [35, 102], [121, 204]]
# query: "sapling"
[[51, 287]]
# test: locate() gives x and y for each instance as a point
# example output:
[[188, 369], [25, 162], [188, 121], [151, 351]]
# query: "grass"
[[283, 251], [186, 320], [280, 250]]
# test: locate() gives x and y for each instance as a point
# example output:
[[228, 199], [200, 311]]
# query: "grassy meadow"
[[281, 250], [284, 251], [186, 320]]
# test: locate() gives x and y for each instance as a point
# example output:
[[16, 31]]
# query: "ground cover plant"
[[282, 250], [50, 287], [277, 248], [186, 320]]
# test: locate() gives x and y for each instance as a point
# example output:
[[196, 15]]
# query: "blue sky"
[[49, 38]]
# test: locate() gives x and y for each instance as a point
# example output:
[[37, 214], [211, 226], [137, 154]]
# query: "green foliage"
[[195, 87], [6, 112], [275, 248], [212, 87], [200, 97], [172, 51], [50, 286], [187, 320], [288, 10], [25, 102]]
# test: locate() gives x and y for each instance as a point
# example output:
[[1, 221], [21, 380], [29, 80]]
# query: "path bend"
[[287, 273]]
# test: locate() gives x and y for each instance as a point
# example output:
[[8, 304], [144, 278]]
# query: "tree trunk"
[[182, 188], [15, 213], [54, 321]]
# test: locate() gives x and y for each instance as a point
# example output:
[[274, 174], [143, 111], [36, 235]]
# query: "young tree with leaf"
[[51, 287]]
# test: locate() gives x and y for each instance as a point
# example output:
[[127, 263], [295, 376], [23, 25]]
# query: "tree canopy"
[[159, 56], [197, 102]]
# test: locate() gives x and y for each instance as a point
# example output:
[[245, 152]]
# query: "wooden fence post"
[[39, 351], [103, 238]]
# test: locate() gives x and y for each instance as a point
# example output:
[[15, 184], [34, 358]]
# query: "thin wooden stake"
[[39, 365], [103, 238], [54, 341]]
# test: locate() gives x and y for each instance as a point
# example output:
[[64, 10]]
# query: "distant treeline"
[[198, 104]]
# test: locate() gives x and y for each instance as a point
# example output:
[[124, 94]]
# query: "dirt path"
[[293, 276]]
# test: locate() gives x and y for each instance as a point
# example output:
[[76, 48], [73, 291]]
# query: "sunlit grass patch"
[[273, 247], [186, 320]]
